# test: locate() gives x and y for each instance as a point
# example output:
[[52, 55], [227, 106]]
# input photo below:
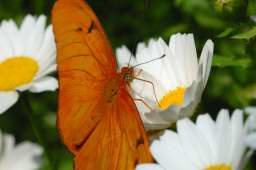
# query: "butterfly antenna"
[[133, 52], [149, 61], [129, 61]]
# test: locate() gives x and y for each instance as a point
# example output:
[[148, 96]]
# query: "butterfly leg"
[[135, 76], [146, 81], [142, 101]]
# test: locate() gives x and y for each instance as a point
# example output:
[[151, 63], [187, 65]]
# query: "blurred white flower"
[[27, 55], [204, 145], [178, 78], [251, 127], [253, 17], [24, 156]]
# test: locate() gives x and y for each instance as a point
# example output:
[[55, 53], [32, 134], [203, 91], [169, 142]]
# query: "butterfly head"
[[127, 74]]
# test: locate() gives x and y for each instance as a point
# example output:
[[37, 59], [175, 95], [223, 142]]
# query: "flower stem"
[[36, 130]]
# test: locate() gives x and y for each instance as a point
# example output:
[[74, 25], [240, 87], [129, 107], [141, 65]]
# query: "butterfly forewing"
[[80, 36], [85, 60]]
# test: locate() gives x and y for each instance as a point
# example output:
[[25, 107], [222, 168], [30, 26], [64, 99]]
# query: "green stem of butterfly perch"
[[36, 130]]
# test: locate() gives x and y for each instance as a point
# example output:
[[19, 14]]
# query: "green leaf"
[[246, 35], [225, 33], [209, 21], [224, 61]]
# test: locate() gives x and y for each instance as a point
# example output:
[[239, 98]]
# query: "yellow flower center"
[[219, 167], [17, 71], [174, 97]]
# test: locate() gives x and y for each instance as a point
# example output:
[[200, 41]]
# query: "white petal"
[[47, 52], [44, 84], [10, 30], [223, 136], [194, 143], [24, 87], [250, 124], [27, 26], [36, 37], [184, 57], [253, 17], [191, 62], [168, 76], [206, 60], [177, 156], [47, 71], [176, 44], [150, 123], [25, 155], [5, 46], [237, 146], [8, 143], [123, 55], [250, 140], [141, 46], [250, 110], [148, 86], [149, 167], [7, 99], [175, 112], [207, 126], [169, 152], [141, 106], [154, 50], [156, 123]]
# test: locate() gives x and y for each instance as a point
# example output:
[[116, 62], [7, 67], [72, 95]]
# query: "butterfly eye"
[[126, 77]]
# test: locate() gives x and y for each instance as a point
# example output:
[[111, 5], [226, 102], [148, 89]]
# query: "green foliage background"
[[232, 83]]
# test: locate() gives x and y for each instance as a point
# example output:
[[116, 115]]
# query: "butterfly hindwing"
[[118, 142]]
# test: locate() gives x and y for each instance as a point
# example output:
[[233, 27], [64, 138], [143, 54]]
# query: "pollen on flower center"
[[219, 167], [174, 97], [17, 71]]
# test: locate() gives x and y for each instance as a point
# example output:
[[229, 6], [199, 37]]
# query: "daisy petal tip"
[[250, 110], [208, 50], [44, 84], [7, 99], [238, 113], [183, 122]]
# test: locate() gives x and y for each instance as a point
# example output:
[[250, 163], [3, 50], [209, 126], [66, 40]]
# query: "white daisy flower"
[[251, 127], [24, 156], [174, 82], [27, 55], [204, 145]]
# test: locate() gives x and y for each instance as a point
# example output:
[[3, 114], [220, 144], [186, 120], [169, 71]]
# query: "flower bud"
[[231, 7]]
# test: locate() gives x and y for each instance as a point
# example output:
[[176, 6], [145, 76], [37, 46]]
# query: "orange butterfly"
[[97, 118]]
